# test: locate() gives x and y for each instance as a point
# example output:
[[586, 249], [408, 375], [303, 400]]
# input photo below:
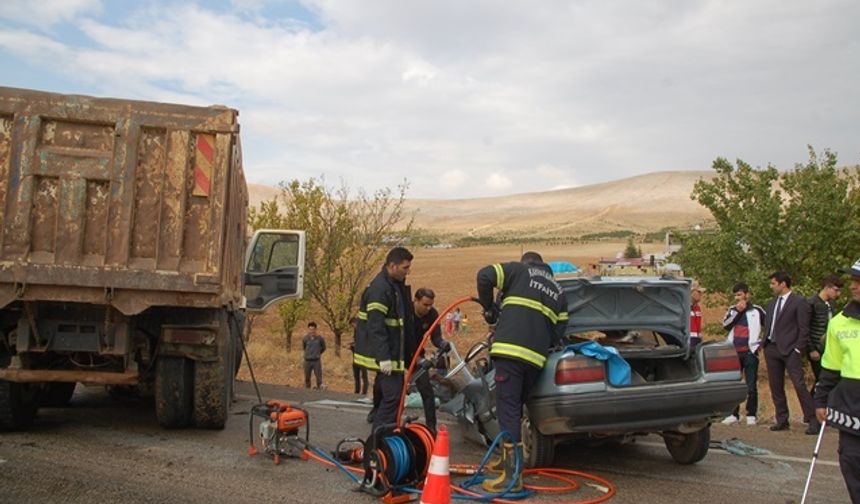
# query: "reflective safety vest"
[[842, 349], [839, 382], [533, 310], [384, 315]]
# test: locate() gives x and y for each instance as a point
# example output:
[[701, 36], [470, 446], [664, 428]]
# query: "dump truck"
[[123, 257]]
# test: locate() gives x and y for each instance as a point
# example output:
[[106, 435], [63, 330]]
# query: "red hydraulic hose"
[[408, 373]]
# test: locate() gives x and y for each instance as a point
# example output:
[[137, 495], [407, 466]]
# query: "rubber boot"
[[494, 465], [503, 480]]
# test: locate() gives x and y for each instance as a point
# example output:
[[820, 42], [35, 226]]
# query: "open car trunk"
[[646, 319]]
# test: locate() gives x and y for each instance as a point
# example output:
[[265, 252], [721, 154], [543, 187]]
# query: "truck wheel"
[[689, 448], [538, 450], [174, 391], [57, 395], [18, 405], [211, 393]]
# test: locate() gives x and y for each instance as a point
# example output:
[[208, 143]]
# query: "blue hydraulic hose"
[[340, 466], [478, 477], [401, 457]]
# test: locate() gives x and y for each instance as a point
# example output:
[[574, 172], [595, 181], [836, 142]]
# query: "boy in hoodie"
[[745, 322]]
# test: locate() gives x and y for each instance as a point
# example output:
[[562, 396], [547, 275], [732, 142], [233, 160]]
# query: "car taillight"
[[579, 369], [721, 359]]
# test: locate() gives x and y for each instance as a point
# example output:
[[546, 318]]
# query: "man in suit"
[[787, 329]]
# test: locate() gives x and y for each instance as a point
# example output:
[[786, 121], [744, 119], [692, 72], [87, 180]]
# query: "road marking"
[[783, 458], [335, 403]]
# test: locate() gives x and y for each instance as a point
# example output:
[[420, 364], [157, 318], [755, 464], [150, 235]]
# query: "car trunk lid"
[[626, 303]]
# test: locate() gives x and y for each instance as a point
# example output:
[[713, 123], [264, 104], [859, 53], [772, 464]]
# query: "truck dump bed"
[[127, 203]]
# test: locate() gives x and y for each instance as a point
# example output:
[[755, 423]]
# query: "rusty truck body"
[[122, 254]]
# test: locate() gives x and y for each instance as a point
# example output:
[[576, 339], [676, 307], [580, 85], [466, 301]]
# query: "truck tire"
[[56, 395], [212, 389], [538, 450], [174, 391], [689, 448], [18, 405]]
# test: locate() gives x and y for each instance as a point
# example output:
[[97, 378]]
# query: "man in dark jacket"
[[425, 315], [385, 322], [822, 312], [532, 320], [313, 345], [837, 394], [786, 337]]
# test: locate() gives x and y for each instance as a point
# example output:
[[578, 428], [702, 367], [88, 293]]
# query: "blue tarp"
[[619, 369], [563, 267]]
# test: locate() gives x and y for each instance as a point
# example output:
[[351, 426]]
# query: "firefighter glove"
[[385, 367], [491, 316]]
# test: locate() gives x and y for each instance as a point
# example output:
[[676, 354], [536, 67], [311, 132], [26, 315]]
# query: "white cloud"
[[45, 13], [419, 72], [377, 91], [499, 182], [453, 179]]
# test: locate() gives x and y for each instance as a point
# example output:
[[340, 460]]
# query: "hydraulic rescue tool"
[[279, 430]]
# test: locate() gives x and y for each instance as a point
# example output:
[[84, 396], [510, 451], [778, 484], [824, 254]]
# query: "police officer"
[[385, 321], [425, 315], [532, 320], [837, 394]]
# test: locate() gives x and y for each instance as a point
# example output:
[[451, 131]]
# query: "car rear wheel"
[[538, 450], [688, 448]]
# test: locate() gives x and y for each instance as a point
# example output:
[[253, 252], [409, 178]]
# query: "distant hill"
[[642, 203], [258, 193]]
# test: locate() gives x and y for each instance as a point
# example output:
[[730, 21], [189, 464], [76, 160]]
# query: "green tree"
[[803, 221], [291, 311], [347, 238], [631, 251]]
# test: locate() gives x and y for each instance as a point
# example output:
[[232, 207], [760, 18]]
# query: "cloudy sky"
[[468, 98]]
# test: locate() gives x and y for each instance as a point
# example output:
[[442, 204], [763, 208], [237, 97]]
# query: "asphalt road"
[[101, 449]]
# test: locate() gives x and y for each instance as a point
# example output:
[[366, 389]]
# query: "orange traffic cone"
[[437, 486]]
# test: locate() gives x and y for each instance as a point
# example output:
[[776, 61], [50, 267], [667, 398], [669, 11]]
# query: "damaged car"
[[644, 378]]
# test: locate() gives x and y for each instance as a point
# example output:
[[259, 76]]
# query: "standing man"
[[822, 312], [744, 321], [787, 329], [837, 395], [385, 321], [359, 374], [695, 315], [314, 345], [532, 320], [425, 315]]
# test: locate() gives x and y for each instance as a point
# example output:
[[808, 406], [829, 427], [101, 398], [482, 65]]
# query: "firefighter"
[[385, 320], [837, 394], [529, 321]]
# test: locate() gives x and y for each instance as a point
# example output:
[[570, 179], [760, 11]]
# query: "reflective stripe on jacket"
[[384, 317], [838, 384], [533, 310]]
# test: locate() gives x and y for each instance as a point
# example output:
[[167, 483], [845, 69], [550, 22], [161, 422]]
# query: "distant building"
[[652, 265]]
